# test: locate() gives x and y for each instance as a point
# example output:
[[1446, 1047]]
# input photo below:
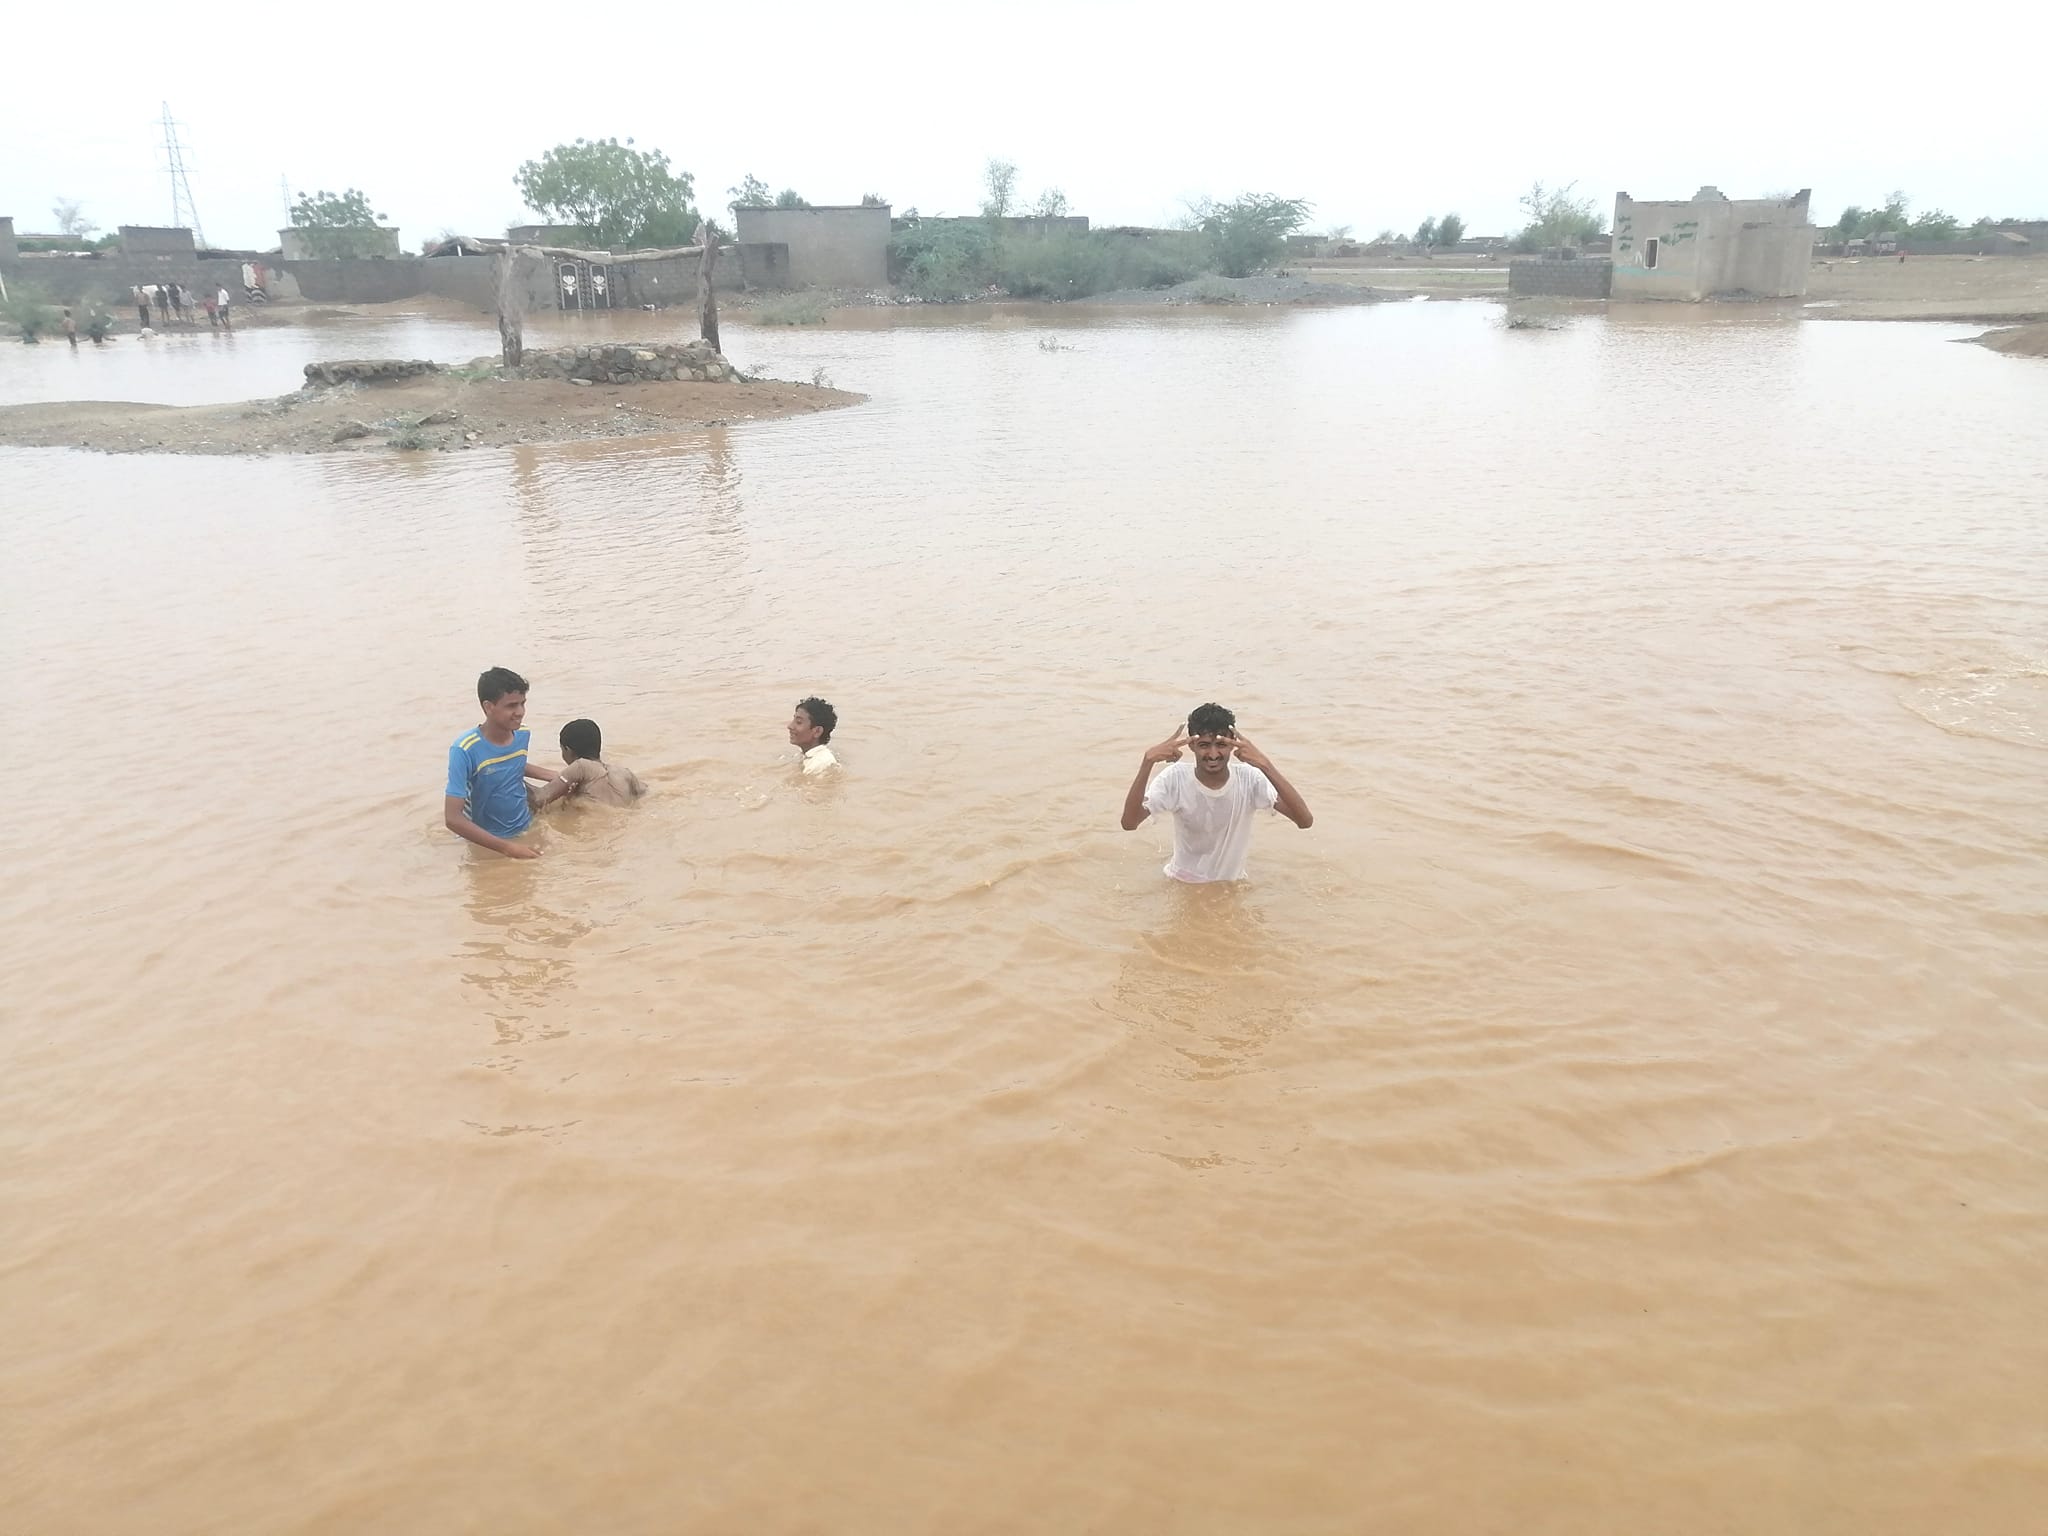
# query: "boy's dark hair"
[[584, 739], [496, 683], [1211, 720], [823, 715]]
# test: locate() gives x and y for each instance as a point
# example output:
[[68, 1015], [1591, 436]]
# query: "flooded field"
[[1622, 1112]]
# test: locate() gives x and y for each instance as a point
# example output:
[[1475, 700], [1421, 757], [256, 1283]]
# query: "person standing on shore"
[[212, 310], [142, 308], [223, 301], [70, 328], [163, 305], [1212, 800]]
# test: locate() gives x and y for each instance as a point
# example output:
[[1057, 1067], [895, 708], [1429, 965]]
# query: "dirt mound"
[[437, 411], [2017, 340]]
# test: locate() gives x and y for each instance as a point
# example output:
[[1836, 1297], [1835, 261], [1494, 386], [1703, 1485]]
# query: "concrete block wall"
[[835, 247], [1586, 277], [149, 240]]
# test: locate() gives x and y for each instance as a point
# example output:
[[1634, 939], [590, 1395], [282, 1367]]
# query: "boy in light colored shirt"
[[810, 729], [587, 776], [1211, 800]]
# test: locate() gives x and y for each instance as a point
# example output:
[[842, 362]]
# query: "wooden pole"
[[707, 297], [511, 308]]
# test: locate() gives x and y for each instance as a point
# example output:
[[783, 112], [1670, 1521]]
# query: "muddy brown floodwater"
[[1622, 1112]]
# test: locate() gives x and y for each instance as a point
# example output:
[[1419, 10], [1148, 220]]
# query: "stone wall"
[[640, 363], [368, 370], [1584, 277]]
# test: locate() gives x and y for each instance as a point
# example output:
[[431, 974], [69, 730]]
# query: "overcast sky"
[[1131, 109]]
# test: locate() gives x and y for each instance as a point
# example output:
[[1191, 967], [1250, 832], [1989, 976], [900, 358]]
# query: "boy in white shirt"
[[810, 729], [1212, 799]]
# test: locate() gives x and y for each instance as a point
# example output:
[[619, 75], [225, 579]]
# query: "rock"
[[643, 357], [348, 430], [445, 417], [581, 383]]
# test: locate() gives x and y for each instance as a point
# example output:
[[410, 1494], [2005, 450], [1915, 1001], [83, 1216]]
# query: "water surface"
[[1621, 1112]]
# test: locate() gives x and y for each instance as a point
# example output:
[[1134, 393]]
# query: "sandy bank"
[[2017, 340], [1985, 289], [441, 411]]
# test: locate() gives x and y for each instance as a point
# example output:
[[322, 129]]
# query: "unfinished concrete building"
[[1711, 246]]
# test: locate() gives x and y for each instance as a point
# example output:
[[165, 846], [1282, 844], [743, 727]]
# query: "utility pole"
[[184, 211]]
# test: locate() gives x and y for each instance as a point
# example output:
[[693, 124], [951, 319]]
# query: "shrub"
[[1248, 233], [792, 309], [27, 311], [942, 261]]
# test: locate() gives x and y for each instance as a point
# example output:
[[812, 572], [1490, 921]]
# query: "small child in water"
[[587, 776]]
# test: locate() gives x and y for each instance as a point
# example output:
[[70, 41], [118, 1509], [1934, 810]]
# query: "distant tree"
[[1935, 225], [1425, 232], [334, 224], [1557, 218], [622, 196], [999, 181], [1450, 229], [873, 200], [1864, 223], [1339, 232], [1386, 237], [71, 220], [1051, 204], [1247, 233], [752, 192], [789, 197]]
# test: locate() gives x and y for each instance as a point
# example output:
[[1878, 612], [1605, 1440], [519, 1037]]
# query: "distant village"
[[1703, 247]]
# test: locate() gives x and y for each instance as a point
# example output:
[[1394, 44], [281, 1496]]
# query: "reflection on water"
[[1618, 1113]]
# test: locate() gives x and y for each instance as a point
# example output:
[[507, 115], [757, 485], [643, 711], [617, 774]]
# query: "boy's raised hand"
[[1247, 753], [1169, 750]]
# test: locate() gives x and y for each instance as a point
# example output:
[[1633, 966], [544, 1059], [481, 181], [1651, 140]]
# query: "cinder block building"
[[845, 246], [1711, 246]]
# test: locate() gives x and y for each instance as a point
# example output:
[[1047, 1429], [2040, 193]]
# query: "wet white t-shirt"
[[1212, 828], [817, 759]]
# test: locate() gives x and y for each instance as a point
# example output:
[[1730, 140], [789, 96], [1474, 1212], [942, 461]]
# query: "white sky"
[[1377, 117]]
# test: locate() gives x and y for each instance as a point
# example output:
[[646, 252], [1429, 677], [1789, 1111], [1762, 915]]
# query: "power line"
[[184, 211]]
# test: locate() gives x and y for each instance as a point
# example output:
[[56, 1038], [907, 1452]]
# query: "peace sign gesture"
[[1168, 751]]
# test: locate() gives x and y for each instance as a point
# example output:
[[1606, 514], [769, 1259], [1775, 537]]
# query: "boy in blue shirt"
[[488, 770]]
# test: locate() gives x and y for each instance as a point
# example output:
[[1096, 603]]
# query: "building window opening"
[[1650, 254]]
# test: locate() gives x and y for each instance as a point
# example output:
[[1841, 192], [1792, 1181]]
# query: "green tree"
[[752, 192], [338, 225], [1247, 233], [999, 183], [1425, 232], [873, 200], [789, 197], [622, 196], [1557, 218], [1051, 204], [1450, 229]]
